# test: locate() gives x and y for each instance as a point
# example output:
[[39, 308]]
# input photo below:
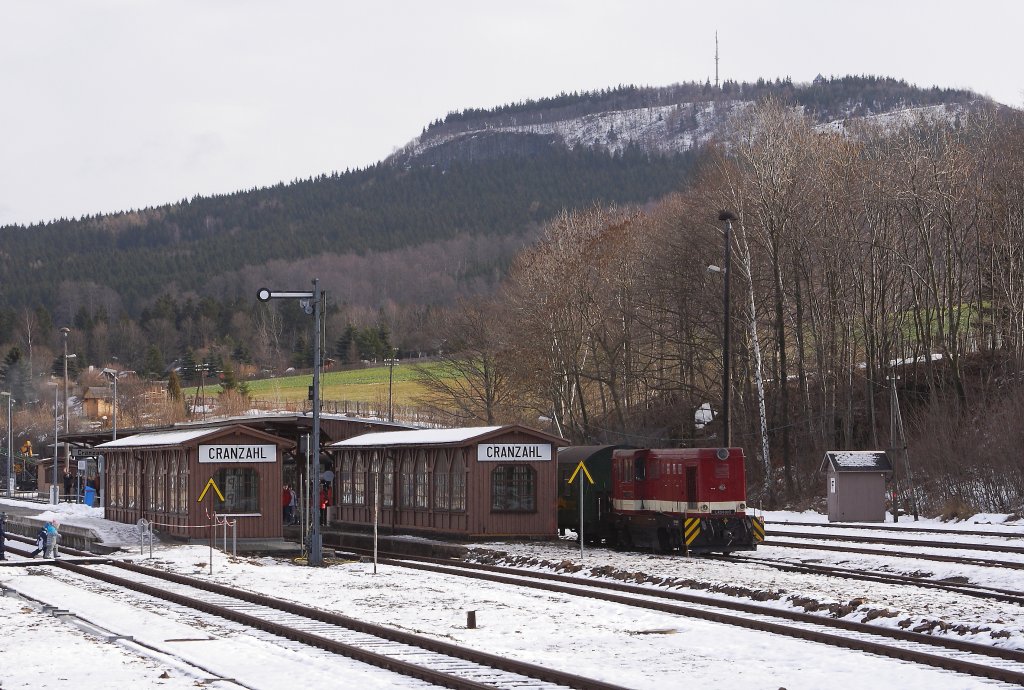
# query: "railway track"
[[951, 654], [1017, 533], [966, 589], [962, 560], [438, 663], [886, 541]]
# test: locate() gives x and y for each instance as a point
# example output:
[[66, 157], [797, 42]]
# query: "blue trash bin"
[[90, 496]]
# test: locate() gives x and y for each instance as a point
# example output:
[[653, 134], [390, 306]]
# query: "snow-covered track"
[[978, 591], [920, 555], [1006, 532], [889, 541], [987, 661], [440, 663]]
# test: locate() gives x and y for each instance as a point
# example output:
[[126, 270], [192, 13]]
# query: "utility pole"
[[727, 217], [392, 362]]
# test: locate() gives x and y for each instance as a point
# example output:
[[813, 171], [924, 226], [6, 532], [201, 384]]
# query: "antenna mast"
[[716, 59]]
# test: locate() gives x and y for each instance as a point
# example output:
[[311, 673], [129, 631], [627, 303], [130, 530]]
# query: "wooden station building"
[[160, 476], [496, 481]]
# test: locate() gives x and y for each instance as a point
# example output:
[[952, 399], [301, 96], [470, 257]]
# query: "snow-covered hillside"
[[660, 129]]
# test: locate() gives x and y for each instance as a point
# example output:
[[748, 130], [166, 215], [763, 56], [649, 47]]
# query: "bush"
[[955, 509]]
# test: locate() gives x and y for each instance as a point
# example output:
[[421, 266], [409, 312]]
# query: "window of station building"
[[172, 485], [387, 488], [346, 479], [241, 489], [149, 470], [183, 485], [116, 480], [442, 483], [359, 481], [132, 481], [421, 498], [161, 484], [458, 482], [513, 489], [407, 482]]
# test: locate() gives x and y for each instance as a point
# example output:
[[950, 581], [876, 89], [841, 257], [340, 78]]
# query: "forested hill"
[[477, 174], [181, 247]]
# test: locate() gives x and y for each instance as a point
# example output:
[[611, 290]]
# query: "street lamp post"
[[54, 491], [113, 377], [392, 362], [10, 431], [310, 303], [727, 217], [64, 332]]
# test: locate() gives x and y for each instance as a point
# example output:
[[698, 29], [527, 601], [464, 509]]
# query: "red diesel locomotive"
[[665, 499]]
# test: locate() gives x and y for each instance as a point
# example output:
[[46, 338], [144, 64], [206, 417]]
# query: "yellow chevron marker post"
[[590, 479], [207, 488], [579, 467], [758, 524], [691, 529]]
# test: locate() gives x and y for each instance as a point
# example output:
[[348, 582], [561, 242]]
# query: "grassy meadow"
[[368, 385]]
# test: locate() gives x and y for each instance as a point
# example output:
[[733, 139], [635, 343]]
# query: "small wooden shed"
[[855, 484], [468, 482]]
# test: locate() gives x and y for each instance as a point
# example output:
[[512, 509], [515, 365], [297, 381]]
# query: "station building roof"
[[435, 437], [177, 437]]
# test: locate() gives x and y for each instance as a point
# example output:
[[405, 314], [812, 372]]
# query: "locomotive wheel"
[[664, 543]]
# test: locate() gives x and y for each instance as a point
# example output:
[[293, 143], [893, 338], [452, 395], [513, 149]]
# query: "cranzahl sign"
[[238, 453], [502, 452]]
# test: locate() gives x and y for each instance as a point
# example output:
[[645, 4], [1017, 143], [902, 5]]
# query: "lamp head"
[[726, 215]]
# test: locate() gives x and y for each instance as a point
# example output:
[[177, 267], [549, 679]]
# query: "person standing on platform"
[[67, 485], [3, 529], [325, 500], [286, 503], [293, 505]]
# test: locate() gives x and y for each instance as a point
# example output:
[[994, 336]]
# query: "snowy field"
[[634, 648]]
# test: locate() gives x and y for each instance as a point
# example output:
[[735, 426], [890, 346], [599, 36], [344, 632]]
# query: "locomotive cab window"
[[241, 489], [514, 489]]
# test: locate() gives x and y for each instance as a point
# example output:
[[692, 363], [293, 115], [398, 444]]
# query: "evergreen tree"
[[15, 375], [228, 380], [57, 369], [153, 367], [188, 366]]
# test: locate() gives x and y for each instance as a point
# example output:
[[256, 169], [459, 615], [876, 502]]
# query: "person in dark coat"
[[40, 541], [68, 481], [3, 529]]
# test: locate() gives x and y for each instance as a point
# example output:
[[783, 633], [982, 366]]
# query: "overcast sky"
[[109, 105]]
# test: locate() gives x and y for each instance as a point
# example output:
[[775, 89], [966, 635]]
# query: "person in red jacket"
[[325, 500], [286, 504]]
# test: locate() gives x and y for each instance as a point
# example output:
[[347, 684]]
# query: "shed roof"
[[857, 461], [181, 436], [431, 437]]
